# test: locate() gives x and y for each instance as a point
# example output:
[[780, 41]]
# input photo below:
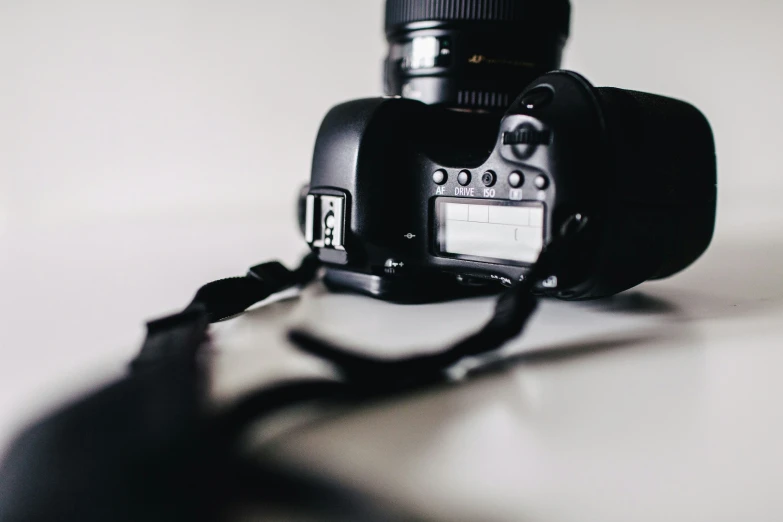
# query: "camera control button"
[[542, 182], [489, 179], [516, 179], [440, 177], [464, 178]]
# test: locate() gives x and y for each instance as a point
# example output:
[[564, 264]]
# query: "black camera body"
[[410, 202]]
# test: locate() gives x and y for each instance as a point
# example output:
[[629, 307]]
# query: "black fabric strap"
[[157, 451], [229, 297], [378, 376], [361, 376], [176, 341], [226, 298], [173, 341]]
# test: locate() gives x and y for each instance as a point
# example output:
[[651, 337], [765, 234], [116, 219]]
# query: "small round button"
[[516, 179], [537, 98], [440, 177], [489, 179], [542, 182], [464, 178], [330, 221]]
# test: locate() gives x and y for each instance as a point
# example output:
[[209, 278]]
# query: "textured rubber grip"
[[552, 13]]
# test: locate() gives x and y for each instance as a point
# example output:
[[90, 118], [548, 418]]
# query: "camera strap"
[[157, 450], [226, 298], [513, 310], [156, 447], [366, 374]]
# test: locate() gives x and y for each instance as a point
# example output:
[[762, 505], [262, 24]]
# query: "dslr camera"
[[478, 158]]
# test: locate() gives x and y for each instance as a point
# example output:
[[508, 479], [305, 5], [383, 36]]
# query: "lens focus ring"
[[554, 12]]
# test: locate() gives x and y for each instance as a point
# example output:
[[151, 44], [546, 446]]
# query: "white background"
[[147, 147]]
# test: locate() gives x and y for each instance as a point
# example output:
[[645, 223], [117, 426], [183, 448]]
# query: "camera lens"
[[472, 54]]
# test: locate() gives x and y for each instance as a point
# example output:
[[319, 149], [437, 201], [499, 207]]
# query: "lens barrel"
[[472, 54]]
